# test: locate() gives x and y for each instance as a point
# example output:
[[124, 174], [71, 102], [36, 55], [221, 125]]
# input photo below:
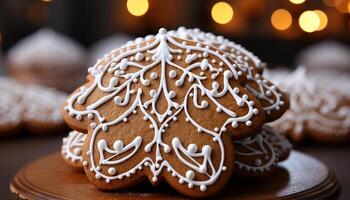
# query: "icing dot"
[[172, 74], [234, 124], [216, 129], [224, 168], [117, 99], [179, 57], [118, 145], [93, 125], [111, 171], [79, 117], [125, 119], [257, 162], [218, 109], [192, 148], [181, 181], [134, 111], [145, 118], [91, 169], [178, 83], [152, 93], [139, 56], [98, 176], [190, 174], [249, 123], [154, 179], [172, 94], [174, 118], [173, 174], [203, 188], [199, 130], [151, 126], [190, 185], [85, 163], [90, 116], [167, 149], [154, 75], [146, 82], [255, 111], [108, 180]]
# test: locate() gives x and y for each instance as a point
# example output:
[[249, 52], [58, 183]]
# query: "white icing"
[[162, 48], [266, 91], [72, 147], [45, 48], [313, 106]]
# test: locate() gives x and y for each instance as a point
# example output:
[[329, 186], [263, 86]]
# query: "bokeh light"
[[297, 1], [281, 19], [332, 3], [222, 13], [309, 21], [137, 7], [323, 19]]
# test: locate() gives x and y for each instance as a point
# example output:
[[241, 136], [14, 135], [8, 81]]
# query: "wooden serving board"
[[300, 177]]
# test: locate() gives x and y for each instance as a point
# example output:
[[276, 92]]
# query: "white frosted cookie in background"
[[327, 56], [317, 110], [71, 149], [30, 108], [47, 58], [10, 109], [105, 45]]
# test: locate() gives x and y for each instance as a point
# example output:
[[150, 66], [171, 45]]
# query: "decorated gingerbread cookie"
[[34, 108], [316, 110], [163, 108], [282, 144], [47, 58], [274, 101], [71, 149], [257, 156]]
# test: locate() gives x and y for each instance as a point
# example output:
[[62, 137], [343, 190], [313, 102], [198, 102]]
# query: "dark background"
[[88, 21]]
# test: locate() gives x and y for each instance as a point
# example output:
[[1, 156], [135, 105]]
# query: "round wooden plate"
[[300, 177]]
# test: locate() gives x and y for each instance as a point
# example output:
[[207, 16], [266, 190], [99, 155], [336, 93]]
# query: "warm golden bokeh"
[[297, 1], [281, 19], [323, 19], [309, 21], [222, 12], [137, 7]]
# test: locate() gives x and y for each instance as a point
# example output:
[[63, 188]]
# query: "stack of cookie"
[[184, 107]]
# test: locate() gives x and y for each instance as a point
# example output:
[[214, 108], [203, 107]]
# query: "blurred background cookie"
[[36, 109], [47, 58], [317, 110]]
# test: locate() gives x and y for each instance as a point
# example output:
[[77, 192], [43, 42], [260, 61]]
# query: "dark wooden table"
[[16, 152]]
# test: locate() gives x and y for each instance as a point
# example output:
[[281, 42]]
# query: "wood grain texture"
[[300, 177]]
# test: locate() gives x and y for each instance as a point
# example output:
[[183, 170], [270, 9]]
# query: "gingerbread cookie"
[[274, 101], [316, 110], [71, 149], [282, 144], [146, 109], [257, 156], [47, 58], [35, 108]]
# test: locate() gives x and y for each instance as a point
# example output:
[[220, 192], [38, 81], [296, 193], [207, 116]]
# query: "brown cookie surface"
[[316, 110], [274, 101], [72, 148], [165, 109]]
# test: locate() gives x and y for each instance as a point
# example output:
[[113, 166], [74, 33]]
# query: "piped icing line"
[[312, 106], [161, 53], [266, 91], [72, 146]]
